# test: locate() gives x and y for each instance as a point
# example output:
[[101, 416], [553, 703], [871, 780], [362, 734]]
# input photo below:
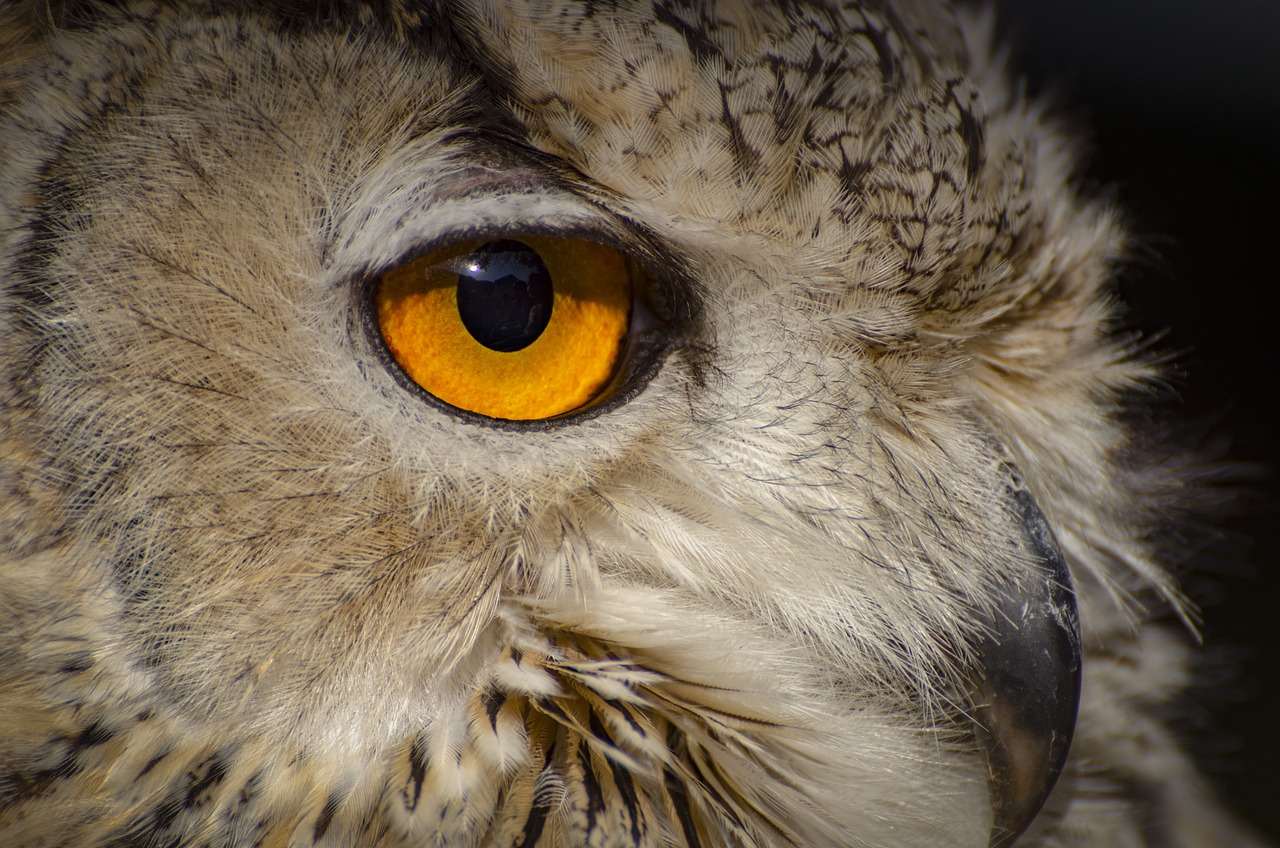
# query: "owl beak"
[[1028, 692]]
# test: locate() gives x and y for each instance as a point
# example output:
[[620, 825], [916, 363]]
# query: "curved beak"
[[1027, 693]]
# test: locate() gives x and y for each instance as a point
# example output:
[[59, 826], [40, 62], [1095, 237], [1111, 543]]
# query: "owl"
[[544, 423]]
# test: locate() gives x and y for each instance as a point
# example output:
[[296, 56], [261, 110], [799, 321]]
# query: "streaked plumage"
[[257, 590]]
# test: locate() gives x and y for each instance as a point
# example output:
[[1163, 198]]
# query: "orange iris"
[[521, 329]]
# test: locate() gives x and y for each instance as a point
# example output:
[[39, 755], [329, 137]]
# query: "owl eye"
[[522, 329]]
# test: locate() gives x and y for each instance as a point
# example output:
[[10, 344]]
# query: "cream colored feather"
[[256, 591]]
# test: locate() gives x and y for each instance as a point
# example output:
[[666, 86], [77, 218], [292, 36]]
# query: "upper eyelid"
[[443, 199], [434, 225]]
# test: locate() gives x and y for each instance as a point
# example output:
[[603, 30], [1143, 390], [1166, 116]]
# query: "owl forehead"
[[825, 149], [832, 141], [747, 91]]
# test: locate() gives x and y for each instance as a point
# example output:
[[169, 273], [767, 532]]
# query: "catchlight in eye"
[[523, 328]]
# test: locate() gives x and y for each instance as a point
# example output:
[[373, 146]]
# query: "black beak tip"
[[1027, 695]]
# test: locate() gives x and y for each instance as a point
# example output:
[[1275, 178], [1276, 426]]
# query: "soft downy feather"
[[258, 592]]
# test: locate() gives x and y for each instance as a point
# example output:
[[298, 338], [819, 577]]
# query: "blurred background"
[[1182, 103]]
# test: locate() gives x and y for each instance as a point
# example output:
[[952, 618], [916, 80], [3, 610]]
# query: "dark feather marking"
[[163, 816], [241, 806], [676, 790], [417, 774], [622, 708], [890, 66], [94, 734], [537, 820], [552, 709], [591, 785], [326, 818], [680, 803], [77, 662], [744, 155], [200, 778], [700, 45], [621, 777], [152, 763], [214, 770], [493, 698], [17, 786], [971, 132], [851, 176]]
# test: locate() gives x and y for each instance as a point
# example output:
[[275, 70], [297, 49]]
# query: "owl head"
[[603, 423]]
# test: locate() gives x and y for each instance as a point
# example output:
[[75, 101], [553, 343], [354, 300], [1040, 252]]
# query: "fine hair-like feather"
[[256, 589]]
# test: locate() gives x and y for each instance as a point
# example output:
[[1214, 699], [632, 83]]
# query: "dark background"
[[1182, 103]]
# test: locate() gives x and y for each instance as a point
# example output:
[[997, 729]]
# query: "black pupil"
[[505, 295]]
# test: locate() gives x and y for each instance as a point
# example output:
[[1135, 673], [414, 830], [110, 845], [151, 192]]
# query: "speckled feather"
[[254, 591]]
